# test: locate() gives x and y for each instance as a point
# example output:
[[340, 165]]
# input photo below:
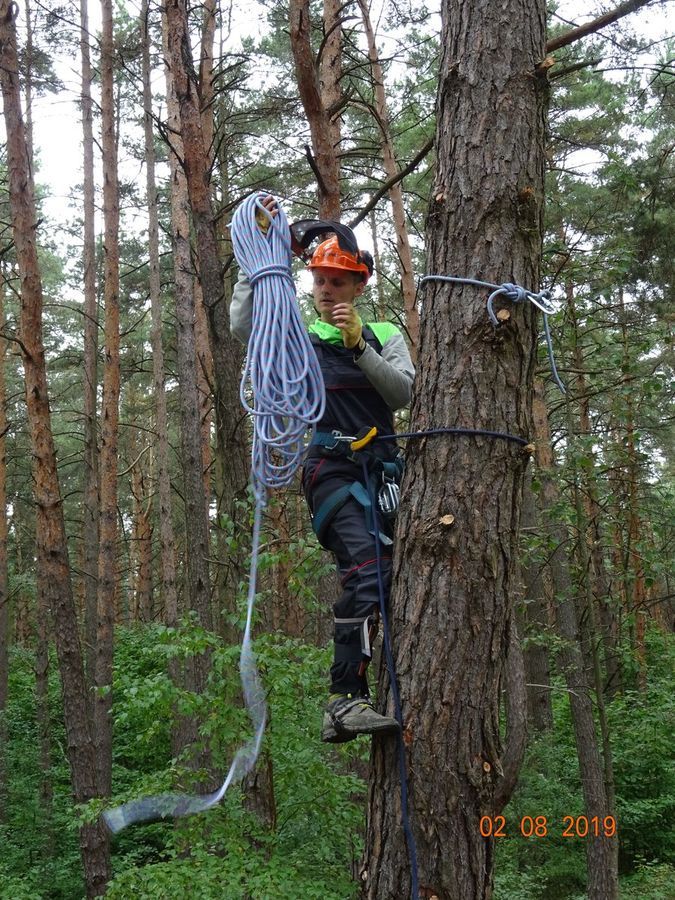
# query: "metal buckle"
[[337, 437]]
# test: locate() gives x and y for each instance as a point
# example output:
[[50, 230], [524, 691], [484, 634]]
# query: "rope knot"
[[514, 292]]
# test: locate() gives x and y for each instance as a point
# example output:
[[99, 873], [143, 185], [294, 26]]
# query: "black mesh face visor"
[[306, 230]]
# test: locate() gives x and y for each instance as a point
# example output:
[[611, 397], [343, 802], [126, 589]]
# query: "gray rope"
[[516, 294]]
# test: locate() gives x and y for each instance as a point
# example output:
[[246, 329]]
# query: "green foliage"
[[228, 852], [553, 867]]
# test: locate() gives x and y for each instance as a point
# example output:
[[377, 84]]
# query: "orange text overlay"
[[542, 826]]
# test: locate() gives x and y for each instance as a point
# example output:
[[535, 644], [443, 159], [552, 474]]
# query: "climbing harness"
[[516, 294], [284, 377]]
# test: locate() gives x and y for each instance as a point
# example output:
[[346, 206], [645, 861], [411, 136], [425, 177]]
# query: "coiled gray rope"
[[516, 294], [282, 373]]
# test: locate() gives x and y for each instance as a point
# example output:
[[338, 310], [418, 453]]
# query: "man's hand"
[[346, 318], [272, 207]]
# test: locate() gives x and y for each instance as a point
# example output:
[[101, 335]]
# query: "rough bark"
[[90, 509], [197, 547], [324, 159], [51, 544], [226, 352], [107, 561], [166, 534], [206, 74], [391, 167], [601, 852], [455, 584]]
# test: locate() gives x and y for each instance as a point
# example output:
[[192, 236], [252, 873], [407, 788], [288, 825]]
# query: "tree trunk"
[[52, 554], [635, 574], [4, 598], [535, 619], [600, 582], [43, 723], [455, 584], [90, 525], [324, 160], [107, 565], [226, 351], [391, 167], [166, 534], [197, 545], [601, 852]]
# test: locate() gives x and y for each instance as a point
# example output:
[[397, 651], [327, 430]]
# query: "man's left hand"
[[346, 318]]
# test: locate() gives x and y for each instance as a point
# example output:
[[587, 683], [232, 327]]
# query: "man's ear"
[[359, 289]]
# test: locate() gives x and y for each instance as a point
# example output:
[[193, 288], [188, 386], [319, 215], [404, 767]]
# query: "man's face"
[[333, 287]]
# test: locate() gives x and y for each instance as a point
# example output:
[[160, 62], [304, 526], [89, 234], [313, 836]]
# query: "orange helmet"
[[330, 255]]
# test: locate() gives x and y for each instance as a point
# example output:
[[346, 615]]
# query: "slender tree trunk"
[[381, 303], [191, 446], [636, 590], [455, 572], [107, 567], [535, 619], [601, 852], [324, 160], [43, 722], [52, 554], [197, 581], [226, 352], [4, 598], [600, 583], [166, 533], [90, 525], [391, 167], [206, 74]]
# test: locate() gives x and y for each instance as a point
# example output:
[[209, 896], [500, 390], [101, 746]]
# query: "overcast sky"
[[56, 117]]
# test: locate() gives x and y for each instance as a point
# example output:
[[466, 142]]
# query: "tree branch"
[[390, 182], [575, 34]]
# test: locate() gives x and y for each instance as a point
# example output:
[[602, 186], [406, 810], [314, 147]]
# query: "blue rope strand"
[[403, 776], [516, 294]]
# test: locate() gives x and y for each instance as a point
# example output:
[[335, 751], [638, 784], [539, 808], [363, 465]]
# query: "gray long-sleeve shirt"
[[391, 373]]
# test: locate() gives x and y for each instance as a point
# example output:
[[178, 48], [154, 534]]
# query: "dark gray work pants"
[[353, 546]]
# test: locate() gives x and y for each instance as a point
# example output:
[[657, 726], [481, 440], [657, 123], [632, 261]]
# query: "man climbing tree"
[[455, 572]]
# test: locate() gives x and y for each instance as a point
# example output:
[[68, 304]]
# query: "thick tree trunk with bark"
[[51, 550], [107, 563], [90, 511], [324, 154], [166, 534], [456, 577]]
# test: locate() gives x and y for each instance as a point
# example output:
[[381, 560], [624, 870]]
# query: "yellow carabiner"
[[362, 440]]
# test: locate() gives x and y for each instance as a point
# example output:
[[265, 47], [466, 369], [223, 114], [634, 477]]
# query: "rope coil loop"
[[282, 371]]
